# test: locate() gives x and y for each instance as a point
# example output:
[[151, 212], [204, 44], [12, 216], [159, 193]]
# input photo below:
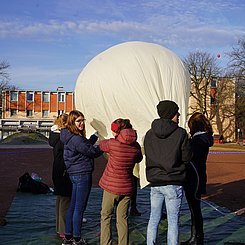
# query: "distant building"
[[32, 110], [220, 106], [35, 110]]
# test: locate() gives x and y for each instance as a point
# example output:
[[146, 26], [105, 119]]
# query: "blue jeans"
[[81, 187], [172, 194]]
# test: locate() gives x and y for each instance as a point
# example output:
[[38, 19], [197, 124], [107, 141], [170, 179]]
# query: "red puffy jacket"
[[124, 151]]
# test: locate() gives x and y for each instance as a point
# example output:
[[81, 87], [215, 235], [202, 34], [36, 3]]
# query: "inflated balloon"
[[218, 55], [128, 81]]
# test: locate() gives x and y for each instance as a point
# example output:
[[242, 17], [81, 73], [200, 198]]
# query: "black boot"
[[192, 239], [199, 239]]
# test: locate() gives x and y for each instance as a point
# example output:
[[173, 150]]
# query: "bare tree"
[[203, 69], [223, 108], [237, 70], [211, 94], [237, 59], [5, 76], [4, 82]]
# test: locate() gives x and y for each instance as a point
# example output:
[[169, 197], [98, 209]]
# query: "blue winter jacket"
[[79, 152]]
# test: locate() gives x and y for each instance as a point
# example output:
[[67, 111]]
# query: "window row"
[[29, 113], [30, 96]]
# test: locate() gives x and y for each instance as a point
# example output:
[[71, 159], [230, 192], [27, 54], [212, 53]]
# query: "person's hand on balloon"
[[96, 133]]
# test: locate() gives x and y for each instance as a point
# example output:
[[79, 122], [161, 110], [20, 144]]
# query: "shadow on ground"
[[218, 194]]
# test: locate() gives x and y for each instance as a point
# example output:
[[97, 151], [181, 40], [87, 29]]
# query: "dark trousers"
[[194, 202], [133, 203]]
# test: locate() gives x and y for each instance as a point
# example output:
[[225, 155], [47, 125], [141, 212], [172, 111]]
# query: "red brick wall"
[[21, 101], [53, 102], [7, 100], [69, 102], [37, 102]]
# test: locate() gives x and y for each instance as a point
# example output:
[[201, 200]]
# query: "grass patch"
[[228, 147], [25, 139]]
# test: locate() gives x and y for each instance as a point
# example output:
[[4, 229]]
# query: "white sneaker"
[[84, 220]]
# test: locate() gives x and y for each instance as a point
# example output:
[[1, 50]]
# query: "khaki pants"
[[62, 205], [121, 203]]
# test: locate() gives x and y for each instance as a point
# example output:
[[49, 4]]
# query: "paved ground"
[[226, 180], [226, 174]]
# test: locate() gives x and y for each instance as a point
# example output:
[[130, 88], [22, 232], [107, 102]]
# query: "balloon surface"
[[127, 81]]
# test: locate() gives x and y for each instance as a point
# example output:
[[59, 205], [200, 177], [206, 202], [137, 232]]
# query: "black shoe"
[[67, 241], [190, 241], [3, 222], [134, 212], [185, 243], [80, 242], [195, 240]]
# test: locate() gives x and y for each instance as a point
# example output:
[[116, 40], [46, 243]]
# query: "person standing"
[[167, 152], [79, 154], [201, 139], [60, 177], [117, 180]]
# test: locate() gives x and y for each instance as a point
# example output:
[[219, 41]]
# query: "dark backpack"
[[28, 184]]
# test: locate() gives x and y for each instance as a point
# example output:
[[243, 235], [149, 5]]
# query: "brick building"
[[32, 109], [220, 106]]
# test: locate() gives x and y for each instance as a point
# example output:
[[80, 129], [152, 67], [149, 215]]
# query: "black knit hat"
[[167, 109]]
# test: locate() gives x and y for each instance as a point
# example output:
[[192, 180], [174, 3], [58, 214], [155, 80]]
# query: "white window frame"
[[60, 112], [13, 114], [13, 94], [29, 111], [45, 96], [29, 93], [61, 97], [44, 112]]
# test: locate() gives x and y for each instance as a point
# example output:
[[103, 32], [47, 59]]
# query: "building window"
[[45, 113], [13, 112], [60, 112], [212, 100], [13, 96], [29, 96], [29, 113], [213, 83], [45, 97], [213, 95], [61, 97]]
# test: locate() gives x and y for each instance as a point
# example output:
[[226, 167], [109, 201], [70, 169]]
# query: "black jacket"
[[61, 180], [167, 151], [200, 144]]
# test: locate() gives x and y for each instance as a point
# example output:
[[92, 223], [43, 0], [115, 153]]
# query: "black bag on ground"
[[28, 184]]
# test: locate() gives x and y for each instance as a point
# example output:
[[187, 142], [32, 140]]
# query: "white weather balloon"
[[127, 81]]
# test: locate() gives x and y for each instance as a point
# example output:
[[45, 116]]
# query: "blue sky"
[[48, 42]]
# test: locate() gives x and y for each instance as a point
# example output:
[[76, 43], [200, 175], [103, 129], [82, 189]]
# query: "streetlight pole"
[[238, 135]]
